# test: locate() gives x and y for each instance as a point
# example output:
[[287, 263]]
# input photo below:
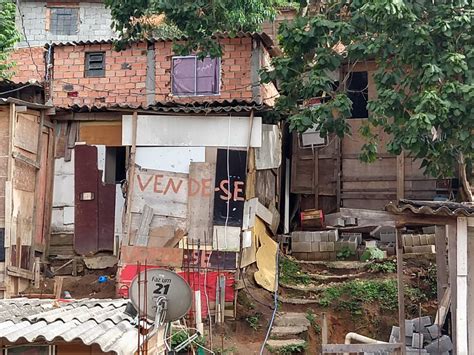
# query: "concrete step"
[[290, 319], [273, 345], [285, 331]]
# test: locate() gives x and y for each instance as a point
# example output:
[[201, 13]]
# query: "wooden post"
[[37, 271], [401, 176], [324, 330], [441, 261], [401, 296], [461, 287], [316, 178], [131, 179], [452, 256]]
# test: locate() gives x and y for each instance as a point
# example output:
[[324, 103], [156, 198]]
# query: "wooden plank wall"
[[338, 178], [4, 143]]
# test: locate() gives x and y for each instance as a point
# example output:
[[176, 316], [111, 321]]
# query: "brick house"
[[190, 117]]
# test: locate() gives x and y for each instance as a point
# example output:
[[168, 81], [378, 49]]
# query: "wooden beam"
[[441, 261], [131, 179], [359, 348], [452, 256], [18, 272], [144, 226], [401, 296], [443, 307], [26, 160], [401, 176]]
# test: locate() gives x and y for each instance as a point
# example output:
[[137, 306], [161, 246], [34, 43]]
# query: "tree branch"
[[463, 176]]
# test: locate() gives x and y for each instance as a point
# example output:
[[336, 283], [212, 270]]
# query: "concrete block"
[[388, 236], [431, 239], [423, 239], [414, 351], [301, 236], [395, 335], [301, 247], [424, 249], [371, 244], [408, 249], [416, 240], [333, 235], [409, 328], [315, 246], [339, 245], [417, 341], [325, 236], [330, 246], [440, 345], [421, 323], [434, 331], [340, 222], [351, 221], [315, 236], [407, 240], [326, 246], [332, 255]]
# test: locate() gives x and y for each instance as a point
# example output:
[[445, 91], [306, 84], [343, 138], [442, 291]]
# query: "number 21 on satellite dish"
[[164, 291]]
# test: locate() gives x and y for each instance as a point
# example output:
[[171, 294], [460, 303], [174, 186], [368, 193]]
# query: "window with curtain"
[[192, 76]]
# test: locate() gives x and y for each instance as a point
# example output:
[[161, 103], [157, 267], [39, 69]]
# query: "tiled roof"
[[173, 107], [438, 208], [93, 321]]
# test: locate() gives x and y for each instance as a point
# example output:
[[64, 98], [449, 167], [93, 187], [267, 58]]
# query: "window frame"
[[51, 348], [195, 94], [50, 19], [87, 70]]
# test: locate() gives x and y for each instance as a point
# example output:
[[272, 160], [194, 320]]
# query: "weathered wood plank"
[[144, 228], [200, 205]]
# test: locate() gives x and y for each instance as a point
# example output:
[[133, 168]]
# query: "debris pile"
[[423, 337]]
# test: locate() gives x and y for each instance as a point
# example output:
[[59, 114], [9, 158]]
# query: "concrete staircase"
[[289, 331]]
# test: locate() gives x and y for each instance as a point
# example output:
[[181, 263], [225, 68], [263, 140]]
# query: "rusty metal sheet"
[[86, 215]]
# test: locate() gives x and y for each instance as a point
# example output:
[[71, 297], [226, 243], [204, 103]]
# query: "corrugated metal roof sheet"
[[173, 107], [240, 34], [101, 322], [439, 208]]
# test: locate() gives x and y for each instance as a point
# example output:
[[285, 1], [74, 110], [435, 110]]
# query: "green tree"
[[423, 48], [424, 51], [8, 36], [197, 19]]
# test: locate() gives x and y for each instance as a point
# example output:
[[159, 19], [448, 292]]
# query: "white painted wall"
[[174, 159], [192, 131], [94, 23], [63, 196]]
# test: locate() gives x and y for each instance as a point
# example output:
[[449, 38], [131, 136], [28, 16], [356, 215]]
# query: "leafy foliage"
[[372, 253], [311, 317], [386, 267], [254, 321], [352, 295], [288, 349], [197, 19], [424, 81], [345, 253], [291, 274], [8, 36]]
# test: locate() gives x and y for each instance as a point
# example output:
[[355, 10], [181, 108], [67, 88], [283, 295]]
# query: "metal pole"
[[401, 296]]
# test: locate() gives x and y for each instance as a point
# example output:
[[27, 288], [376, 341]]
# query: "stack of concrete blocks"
[[419, 243], [388, 241], [423, 337], [312, 246]]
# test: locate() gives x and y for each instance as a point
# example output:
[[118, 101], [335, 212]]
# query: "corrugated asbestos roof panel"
[[173, 107], [437, 208], [101, 322]]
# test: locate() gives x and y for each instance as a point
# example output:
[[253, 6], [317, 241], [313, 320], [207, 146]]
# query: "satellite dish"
[[163, 283]]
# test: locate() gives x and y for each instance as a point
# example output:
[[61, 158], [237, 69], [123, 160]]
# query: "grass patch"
[[291, 274], [386, 267], [351, 295], [288, 349], [312, 320]]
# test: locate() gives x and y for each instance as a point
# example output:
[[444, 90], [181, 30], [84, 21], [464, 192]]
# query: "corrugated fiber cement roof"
[[92, 321]]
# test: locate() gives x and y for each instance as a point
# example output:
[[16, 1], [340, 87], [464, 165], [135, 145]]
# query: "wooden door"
[[94, 204]]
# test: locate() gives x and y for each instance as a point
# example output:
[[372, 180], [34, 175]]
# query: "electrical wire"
[[16, 89], [270, 325]]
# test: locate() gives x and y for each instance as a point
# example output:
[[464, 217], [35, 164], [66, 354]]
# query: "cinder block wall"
[[94, 22]]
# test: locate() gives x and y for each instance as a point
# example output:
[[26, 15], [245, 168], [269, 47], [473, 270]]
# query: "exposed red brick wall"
[[24, 68], [124, 80], [235, 72]]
